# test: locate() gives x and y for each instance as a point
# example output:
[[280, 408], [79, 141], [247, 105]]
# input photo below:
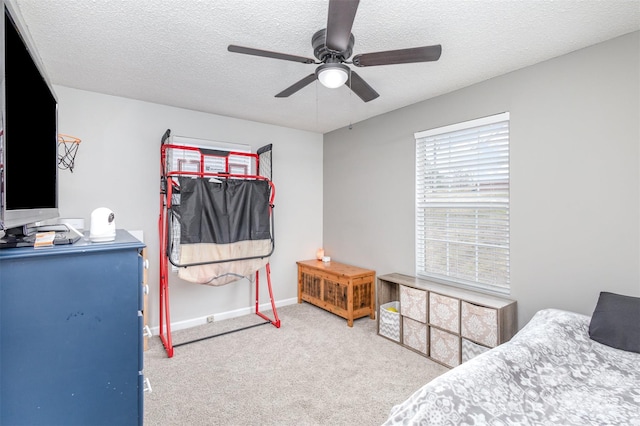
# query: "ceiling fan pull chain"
[[350, 102]]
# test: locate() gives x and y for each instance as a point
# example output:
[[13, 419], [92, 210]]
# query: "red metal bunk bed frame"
[[166, 191]]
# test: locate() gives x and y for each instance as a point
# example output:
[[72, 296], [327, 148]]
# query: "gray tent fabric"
[[223, 211], [225, 231]]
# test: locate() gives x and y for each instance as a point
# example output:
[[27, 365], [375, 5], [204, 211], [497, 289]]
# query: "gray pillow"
[[616, 322]]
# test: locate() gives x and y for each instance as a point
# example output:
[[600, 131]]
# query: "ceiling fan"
[[332, 47]]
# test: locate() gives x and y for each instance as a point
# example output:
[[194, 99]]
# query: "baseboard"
[[194, 322]]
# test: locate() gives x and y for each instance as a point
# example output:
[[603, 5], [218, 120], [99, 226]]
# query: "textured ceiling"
[[174, 52]]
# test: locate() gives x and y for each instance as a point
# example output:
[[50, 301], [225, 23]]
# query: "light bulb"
[[332, 75]]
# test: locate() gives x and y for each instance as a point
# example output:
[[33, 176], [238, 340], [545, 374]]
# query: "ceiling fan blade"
[[269, 54], [361, 88], [339, 23], [401, 56], [297, 86]]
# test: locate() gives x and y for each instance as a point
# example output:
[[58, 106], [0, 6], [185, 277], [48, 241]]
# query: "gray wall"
[[118, 166], [575, 185]]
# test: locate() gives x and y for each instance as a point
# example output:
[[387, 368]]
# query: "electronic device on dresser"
[[28, 131]]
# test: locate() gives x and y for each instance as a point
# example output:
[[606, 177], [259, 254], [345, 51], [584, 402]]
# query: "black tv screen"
[[30, 134]]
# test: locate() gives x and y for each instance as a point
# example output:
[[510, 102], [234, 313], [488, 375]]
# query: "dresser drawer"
[[480, 324], [444, 312], [414, 334], [444, 347], [413, 303]]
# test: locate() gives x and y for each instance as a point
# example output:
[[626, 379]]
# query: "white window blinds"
[[462, 203]]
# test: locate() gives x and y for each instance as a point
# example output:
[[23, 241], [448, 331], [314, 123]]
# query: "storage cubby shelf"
[[447, 324]]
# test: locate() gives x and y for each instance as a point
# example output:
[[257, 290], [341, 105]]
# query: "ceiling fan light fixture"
[[332, 75]]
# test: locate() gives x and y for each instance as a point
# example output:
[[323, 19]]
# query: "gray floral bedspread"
[[549, 373]]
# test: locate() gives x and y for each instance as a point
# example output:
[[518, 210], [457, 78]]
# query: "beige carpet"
[[313, 370]]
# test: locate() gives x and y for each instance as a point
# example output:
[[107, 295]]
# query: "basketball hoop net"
[[67, 149]]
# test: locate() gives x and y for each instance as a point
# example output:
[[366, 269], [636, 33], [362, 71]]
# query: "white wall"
[[575, 184], [118, 166]]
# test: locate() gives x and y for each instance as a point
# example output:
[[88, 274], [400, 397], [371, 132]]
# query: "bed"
[[552, 372]]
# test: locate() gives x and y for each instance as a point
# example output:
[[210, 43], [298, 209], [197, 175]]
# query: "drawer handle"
[[145, 289], [146, 264]]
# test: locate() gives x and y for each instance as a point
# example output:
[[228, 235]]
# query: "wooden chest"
[[345, 290]]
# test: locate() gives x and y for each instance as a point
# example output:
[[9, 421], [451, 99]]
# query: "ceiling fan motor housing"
[[320, 50]]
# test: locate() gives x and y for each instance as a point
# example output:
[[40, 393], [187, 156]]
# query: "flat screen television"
[[28, 130]]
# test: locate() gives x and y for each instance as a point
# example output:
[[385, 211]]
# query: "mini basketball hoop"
[[67, 149]]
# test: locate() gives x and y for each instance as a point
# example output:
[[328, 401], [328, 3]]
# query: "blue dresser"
[[71, 346]]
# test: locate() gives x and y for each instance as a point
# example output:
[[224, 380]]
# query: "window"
[[187, 160], [462, 203]]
